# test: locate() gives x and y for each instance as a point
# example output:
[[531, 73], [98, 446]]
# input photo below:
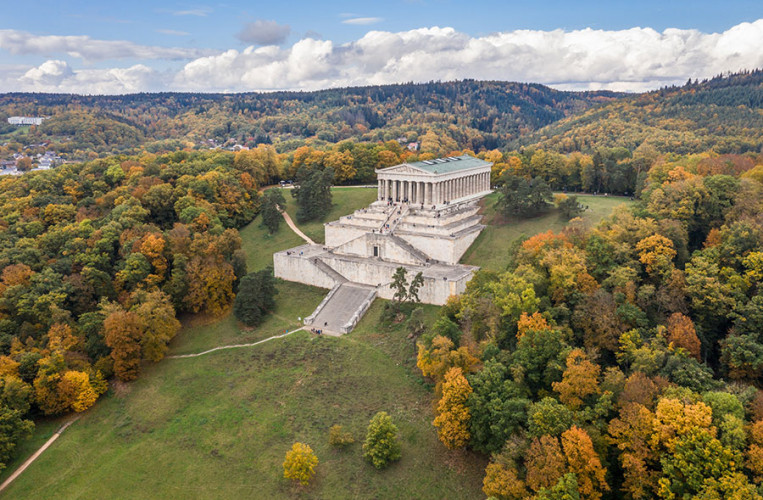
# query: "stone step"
[[333, 274], [415, 252], [344, 308]]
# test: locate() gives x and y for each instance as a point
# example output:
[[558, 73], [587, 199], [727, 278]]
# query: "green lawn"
[[260, 246], [218, 426], [345, 200], [294, 300], [490, 250]]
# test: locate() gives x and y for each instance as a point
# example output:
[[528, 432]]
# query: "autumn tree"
[[210, 284], [579, 380], [453, 418], [583, 461], [502, 481], [158, 323], [123, 332], [681, 334], [545, 463], [381, 446], [631, 432], [299, 464]]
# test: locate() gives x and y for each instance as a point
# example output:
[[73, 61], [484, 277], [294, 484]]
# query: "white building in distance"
[[26, 120]]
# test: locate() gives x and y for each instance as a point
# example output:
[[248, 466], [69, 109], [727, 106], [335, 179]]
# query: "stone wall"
[[300, 269], [369, 272]]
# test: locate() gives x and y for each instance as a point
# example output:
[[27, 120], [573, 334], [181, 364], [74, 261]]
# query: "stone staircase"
[[415, 252], [329, 271], [342, 308]]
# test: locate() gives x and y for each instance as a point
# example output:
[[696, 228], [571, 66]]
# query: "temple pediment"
[[404, 169]]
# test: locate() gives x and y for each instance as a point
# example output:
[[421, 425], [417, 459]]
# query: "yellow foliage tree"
[[76, 391], [656, 252], [755, 451], [502, 482], [435, 362], [674, 418], [300, 463], [580, 379], [453, 419], [534, 322]]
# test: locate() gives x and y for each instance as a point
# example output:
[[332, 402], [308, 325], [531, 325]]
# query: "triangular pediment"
[[404, 169]]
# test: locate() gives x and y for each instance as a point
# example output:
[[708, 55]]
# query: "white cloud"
[[22, 43], [362, 21], [636, 59], [58, 76]]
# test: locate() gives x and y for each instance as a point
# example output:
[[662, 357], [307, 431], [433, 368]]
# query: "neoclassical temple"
[[425, 217], [432, 182]]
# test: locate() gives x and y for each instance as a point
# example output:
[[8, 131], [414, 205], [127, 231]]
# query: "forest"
[[477, 115], [622, 360], [618, 360]]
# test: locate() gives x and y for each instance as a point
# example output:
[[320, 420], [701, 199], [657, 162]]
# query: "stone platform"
[[364, 250]]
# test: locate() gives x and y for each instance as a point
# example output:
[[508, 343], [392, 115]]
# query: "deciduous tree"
[[381, 446], [453, 419]]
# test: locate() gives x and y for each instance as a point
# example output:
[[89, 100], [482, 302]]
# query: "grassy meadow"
[[218, 426]]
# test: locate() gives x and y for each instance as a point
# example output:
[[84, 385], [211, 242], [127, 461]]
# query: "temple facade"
[[434, 182], [424, 219]]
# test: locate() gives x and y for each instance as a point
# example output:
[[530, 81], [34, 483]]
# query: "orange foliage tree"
[[681, 333], [122, 332], [583, 461], [545, 463]]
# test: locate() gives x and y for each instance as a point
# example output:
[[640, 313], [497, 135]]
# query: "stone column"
[[394, 190]]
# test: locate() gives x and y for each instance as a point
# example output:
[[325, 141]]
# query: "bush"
[[381, 446], [300, 463], [339, 438]]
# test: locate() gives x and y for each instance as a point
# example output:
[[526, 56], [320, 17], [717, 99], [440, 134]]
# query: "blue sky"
[[116, 47]]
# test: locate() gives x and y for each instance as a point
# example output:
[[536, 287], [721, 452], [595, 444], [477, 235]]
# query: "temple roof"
[[444, 165]]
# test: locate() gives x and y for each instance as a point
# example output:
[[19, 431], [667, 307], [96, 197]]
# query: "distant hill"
[[476, 115], [724, 114]]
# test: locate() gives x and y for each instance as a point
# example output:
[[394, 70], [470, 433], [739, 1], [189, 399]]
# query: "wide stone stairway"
[[342, 308]]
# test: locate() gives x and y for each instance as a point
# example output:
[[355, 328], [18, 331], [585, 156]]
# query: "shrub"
[[300, 463], [381, 446], [339, 438]]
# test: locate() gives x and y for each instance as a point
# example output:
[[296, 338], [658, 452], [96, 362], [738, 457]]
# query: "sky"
[[97, 47]]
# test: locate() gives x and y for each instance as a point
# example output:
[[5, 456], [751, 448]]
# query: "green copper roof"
[[449, 164]]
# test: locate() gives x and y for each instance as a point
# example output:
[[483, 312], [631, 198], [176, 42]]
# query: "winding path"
[[294, 227], [37, 453], [60, 431], [233, 346]]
